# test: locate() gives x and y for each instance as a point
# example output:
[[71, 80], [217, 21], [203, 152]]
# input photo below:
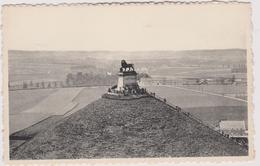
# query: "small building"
[[235, 130], [232, 125]]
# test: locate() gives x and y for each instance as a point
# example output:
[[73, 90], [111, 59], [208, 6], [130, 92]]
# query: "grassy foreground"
[[144, 127]]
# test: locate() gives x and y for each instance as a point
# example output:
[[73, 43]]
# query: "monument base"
[[127, 82], [118, 96]]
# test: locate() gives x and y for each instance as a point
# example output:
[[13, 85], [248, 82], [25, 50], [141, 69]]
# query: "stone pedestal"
[[127, 79]]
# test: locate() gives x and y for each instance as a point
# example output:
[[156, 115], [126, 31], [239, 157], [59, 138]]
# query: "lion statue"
[[126, 66]]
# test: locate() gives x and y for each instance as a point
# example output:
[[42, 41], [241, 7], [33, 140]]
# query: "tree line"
[[73, 80]]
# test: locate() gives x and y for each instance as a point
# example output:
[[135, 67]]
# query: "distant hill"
[[134, 128], [55, 65]]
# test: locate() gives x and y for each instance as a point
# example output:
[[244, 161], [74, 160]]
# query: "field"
[[28, 107], [220, 89], [212, 115], [193, 72], [209, 108], [186, 98], [26, 99], [236, 91]]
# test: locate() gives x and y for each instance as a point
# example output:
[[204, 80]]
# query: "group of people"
[[129, 91]]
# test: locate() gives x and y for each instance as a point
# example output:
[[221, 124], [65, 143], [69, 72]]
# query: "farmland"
[[196, 72], [236, 91], [220, 89], [212, 115], [26, 99], [28, 107], [186, 98], [209, 108]]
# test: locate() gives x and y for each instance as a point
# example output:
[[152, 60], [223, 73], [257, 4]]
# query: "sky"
[[127, 28]]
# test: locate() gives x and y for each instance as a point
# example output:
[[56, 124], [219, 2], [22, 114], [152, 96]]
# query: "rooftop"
[[232, 125]]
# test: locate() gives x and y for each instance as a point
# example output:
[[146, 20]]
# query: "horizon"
[[209, 49], [129, 55]]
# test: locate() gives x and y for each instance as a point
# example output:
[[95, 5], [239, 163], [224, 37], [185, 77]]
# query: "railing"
[[179, 110]]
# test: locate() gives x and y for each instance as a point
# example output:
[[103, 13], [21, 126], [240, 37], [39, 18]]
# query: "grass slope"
[[137, 128], [20, 137]]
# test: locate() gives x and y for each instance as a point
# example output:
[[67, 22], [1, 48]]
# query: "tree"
[[31, 84], [25, 86], [49, 85], [37, 85], [61, 84], [42, 84], [55, 84], [69, 79], [79, 78], [233, 79]]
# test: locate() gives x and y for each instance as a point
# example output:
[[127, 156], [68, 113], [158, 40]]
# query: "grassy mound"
[[22, 136], [144, 127]]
